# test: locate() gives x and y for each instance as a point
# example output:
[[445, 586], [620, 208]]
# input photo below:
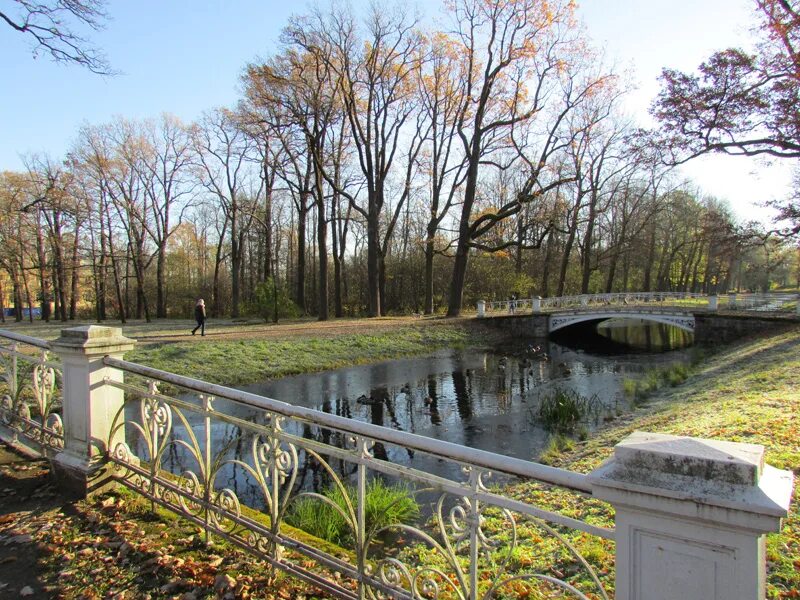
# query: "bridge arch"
[[682, 321]]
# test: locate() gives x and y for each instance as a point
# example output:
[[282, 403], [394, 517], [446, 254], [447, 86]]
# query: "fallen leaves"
[[115, 549]]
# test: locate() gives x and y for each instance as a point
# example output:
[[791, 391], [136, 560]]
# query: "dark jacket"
[[199, 313]]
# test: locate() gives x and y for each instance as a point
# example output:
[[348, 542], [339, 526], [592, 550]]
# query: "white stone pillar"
[[481, 309], [691, 515], [732, 300], [713, 303], [89, 404], [536, 304], [584, 300]]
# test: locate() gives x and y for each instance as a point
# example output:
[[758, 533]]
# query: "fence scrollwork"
[[31, 402]]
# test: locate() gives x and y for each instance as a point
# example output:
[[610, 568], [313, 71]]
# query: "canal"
[[487, 399]]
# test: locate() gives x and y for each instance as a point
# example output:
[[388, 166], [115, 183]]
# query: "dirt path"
[[315, 329]]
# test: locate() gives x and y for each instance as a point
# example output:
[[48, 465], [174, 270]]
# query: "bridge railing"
[[768, 303], [274, 479]]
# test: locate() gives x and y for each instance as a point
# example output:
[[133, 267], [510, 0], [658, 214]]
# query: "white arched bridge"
[[681, 309], [680, 319]]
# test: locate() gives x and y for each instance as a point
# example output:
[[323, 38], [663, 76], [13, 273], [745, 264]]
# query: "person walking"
[[200, 317]]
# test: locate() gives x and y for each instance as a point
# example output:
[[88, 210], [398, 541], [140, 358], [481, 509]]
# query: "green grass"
[[234, 362], [557, 445], [385, 505], [746, 393], [562, 409], [640, 389]]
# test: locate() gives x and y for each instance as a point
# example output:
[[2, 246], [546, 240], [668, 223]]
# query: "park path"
[[316, 329]]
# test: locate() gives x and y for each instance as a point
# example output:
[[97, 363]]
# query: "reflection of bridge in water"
[[730, 315]]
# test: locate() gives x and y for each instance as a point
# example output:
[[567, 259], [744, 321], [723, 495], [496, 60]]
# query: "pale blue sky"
[[184, 56]]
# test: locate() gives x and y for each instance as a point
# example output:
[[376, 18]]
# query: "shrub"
[[272, 302], [629, 387]]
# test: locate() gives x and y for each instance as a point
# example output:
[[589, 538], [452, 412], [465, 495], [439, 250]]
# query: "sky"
[[186, 56]]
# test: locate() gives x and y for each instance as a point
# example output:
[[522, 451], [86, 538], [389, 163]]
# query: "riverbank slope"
[[749, 392]]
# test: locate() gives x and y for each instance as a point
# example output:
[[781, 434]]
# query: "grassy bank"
[[250, 360], [746, 393]]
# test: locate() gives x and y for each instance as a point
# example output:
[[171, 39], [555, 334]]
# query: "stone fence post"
[[732, 300], [536, 304], [89, 404], [713, 303], [691, 516], [481, 309]]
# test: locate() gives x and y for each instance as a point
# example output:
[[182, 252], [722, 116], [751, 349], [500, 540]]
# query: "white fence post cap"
[[694, 472], [94, 339], [691, 516]]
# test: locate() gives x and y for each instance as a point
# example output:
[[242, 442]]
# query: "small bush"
[[385, 505], [677, 374], [273, 302]]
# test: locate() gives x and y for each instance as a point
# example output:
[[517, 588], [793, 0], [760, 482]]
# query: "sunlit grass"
[[232, 362], [747, 393]]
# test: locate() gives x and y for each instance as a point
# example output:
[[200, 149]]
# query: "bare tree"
[[377, 91], [53, 27], [224, 153]]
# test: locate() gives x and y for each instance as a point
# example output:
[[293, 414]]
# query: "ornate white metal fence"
[[31, 396], [183, 451]]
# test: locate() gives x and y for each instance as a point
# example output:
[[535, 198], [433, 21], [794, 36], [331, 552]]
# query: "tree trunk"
[[44, 280], [28, 296], [17, 297], [374, 308], [322, 249], [651, 257], [215, 299], [161, 293], [462, 248], [548, 256], [337, 265], [429, 248], [586, 271], [73, 296], [300, 281], [123, 308]]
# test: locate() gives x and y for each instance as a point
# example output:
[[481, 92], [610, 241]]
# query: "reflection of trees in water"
[[463, 399], [433, 405], [652, 337], [422, 401]]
